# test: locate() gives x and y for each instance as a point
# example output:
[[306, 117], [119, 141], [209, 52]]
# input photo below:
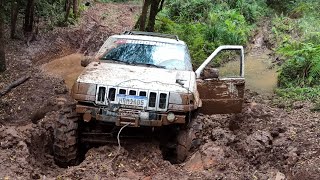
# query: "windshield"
[[151, 53]]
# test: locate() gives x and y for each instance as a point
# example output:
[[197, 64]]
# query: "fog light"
[[171, 117]]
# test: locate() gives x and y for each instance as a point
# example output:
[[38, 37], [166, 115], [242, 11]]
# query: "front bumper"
[[127, 116]]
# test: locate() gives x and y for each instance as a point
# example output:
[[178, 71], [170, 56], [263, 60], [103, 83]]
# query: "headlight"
[[84, 91], [180, 98], [86, 88]]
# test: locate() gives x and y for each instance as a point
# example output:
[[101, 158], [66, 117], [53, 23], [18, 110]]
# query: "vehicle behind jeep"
[[144, 80]]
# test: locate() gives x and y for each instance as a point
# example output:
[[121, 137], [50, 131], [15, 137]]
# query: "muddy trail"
[[262, 142]]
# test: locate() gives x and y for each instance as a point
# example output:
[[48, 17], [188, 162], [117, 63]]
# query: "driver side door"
[[221, 95]]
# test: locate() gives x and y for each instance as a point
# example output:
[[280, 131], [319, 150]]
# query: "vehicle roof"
[[151, 38]]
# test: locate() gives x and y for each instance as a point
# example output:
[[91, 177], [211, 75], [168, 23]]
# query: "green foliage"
[[303, 65], [204, 24], [229, 27], [189, 10], [281, 6], [117, 1], [299, 94], [252, 10], [298, 43], [52, 12], [298, 38], [287, 96]]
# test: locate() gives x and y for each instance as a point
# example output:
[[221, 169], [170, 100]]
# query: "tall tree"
[[153, 6], [68, 7], [14, 17], [153, 13], [143, 16], [2, 51], [29, 16], [75, 8]]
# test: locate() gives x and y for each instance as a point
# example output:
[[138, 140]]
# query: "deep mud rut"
[[262, 142]]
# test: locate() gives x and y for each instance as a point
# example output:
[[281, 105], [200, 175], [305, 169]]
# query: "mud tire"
[[66, 141], [188, 139]]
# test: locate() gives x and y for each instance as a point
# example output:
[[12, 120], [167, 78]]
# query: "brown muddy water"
[[67, 67], [258, 74]]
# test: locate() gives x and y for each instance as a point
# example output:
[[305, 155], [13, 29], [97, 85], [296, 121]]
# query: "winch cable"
[[118, 137], [119, 144]]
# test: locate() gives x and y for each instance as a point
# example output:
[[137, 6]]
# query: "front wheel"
[[66, 138], [188, 139]]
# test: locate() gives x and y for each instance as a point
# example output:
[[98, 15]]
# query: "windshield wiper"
[[147, 64], [132, 63], [115, 60]]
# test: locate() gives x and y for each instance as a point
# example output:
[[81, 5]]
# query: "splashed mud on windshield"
[[258, 74], [67, 67]]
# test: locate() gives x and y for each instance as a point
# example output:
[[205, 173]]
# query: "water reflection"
[[259, 77]]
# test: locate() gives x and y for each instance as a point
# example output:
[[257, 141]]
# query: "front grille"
[[156, 100], [163, 101], [143, 93], [133, 92], [112, 94], [122, 91], [101, 94], [152, 99]]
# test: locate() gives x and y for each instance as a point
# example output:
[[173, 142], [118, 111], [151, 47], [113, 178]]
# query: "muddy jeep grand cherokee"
[[144, 80]]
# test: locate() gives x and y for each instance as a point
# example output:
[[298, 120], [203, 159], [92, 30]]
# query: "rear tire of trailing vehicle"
[[188, 139], [66, 141]]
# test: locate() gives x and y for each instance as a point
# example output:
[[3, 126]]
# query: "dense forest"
[[28, 14]]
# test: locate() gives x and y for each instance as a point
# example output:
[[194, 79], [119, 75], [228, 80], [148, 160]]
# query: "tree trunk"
[[153, 13], [137, 25], [68, 7], [143, 16], [29, 15], [14, 16], [161, 5], [2, 51], [75, 8]]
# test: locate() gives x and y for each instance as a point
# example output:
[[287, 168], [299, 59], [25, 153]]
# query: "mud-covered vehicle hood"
[[139, 77]]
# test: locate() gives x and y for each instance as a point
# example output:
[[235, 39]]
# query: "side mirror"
[[210, 73], [86, 60]]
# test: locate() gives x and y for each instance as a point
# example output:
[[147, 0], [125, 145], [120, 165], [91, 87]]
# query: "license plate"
[[130, 100]]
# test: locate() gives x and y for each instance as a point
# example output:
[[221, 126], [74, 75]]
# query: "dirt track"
[[263, 142], [260, 143]]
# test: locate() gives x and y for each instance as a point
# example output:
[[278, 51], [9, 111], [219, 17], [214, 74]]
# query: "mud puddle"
[[67, 67], [258, 74]]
